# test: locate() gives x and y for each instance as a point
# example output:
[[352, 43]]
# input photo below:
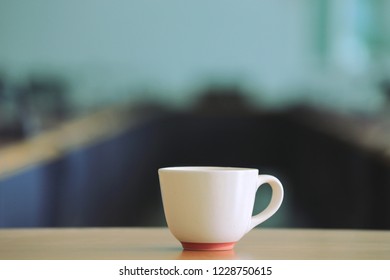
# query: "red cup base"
[[208, 246]]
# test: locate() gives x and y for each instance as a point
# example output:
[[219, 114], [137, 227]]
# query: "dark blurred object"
[[29, 107], [330, 181], [2, 87], [385, 87], [216, 100], [41, 103], [10, 127]]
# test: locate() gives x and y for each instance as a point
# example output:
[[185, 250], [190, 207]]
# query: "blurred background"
[[95, 96]]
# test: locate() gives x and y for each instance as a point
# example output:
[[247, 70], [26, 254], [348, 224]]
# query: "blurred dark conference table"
[[100, 170]]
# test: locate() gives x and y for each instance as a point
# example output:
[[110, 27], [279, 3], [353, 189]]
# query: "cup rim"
[[206, 169]]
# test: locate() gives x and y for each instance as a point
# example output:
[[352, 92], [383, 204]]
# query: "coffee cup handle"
[[274, 204]]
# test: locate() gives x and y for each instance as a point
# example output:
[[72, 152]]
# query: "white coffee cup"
[[210, 208]]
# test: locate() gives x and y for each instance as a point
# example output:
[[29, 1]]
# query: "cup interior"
[[205, 168]]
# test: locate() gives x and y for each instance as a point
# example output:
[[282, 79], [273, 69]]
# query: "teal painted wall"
[[113, 50]]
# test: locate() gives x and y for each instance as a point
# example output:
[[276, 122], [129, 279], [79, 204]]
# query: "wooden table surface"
[[158, 243]]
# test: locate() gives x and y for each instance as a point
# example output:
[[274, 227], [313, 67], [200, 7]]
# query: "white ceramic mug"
[[210, 208]]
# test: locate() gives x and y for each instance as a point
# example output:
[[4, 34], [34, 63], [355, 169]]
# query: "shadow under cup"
[[210, 208]]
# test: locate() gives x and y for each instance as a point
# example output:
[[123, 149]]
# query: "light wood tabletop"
[[159, 244]]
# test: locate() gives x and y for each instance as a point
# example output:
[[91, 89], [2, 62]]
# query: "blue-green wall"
[[111, 50]]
